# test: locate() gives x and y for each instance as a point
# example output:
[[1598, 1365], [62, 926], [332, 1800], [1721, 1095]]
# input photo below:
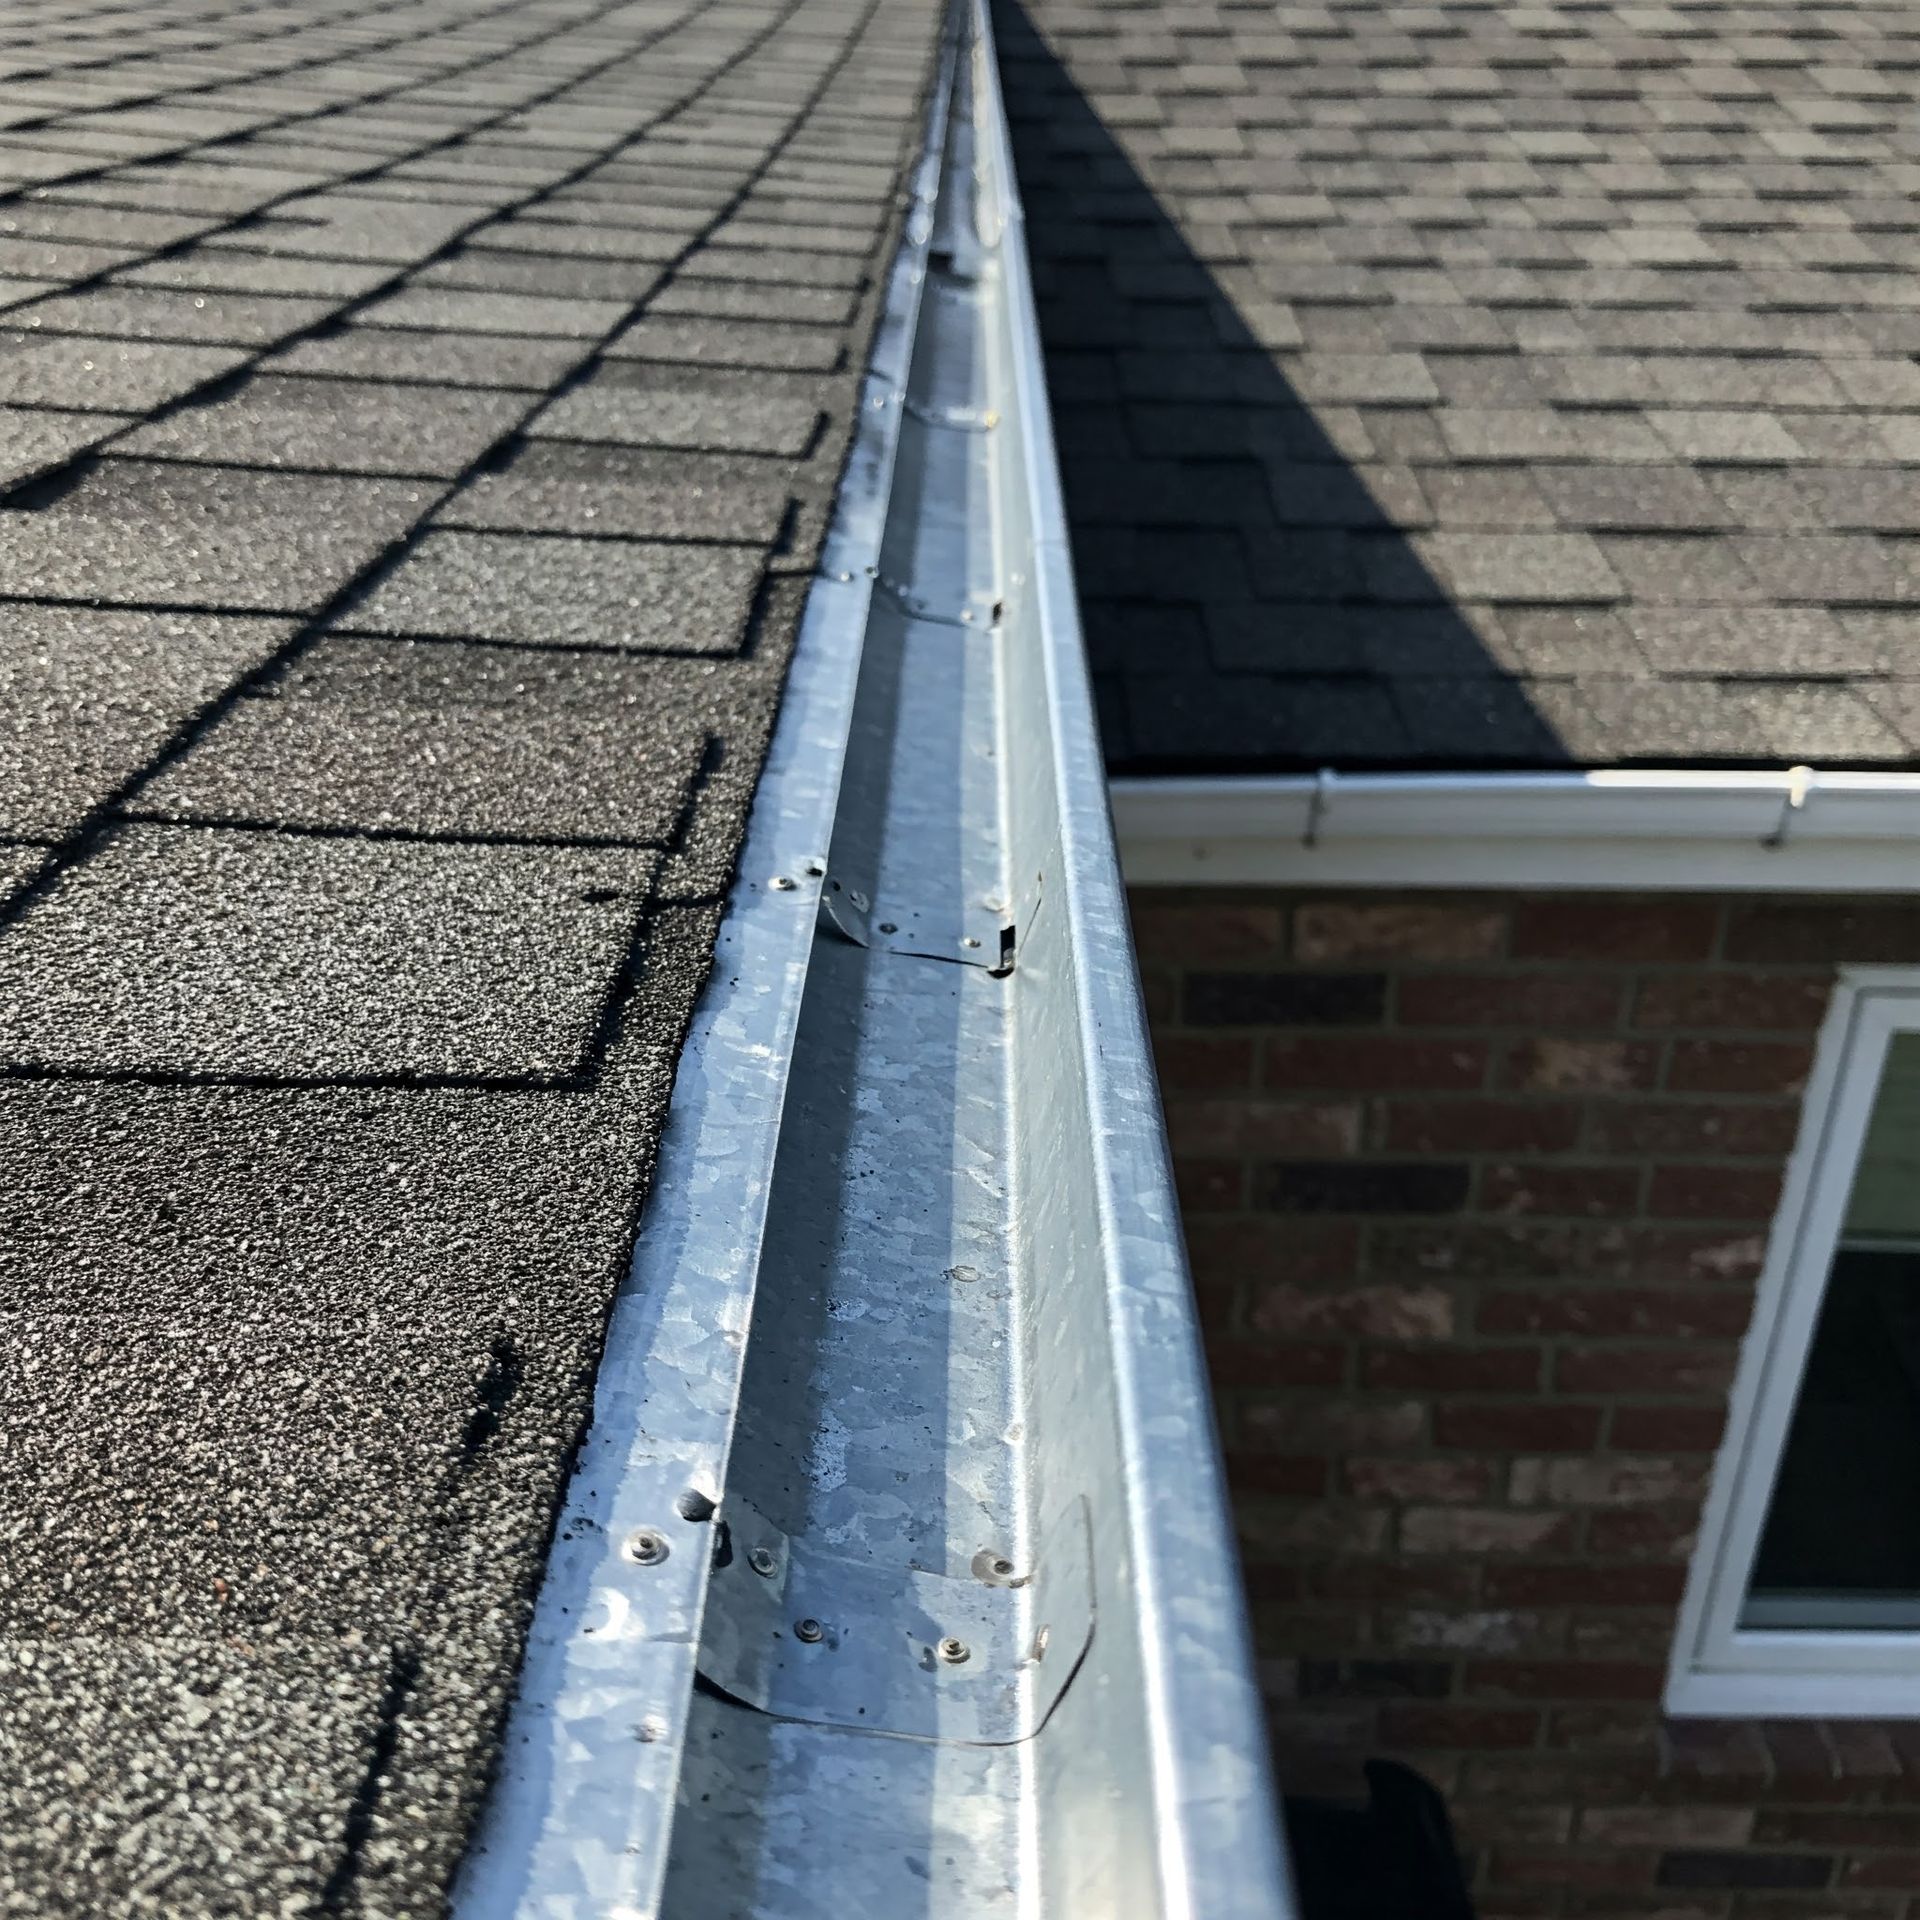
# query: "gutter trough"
[[896, 1577]]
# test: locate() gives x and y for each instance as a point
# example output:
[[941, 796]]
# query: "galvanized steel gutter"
[[897, 1577]]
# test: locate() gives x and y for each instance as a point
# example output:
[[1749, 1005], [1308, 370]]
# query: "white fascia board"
[[1798, 830]]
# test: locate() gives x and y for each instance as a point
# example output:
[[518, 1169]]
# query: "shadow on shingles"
[[1248, 603]]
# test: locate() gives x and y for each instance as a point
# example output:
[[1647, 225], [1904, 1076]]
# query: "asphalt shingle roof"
[[1482, 386], [398, 569]]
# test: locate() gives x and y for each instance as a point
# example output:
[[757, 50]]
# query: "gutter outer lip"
[[1678, 803]]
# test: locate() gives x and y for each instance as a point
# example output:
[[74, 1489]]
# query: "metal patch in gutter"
[[897, 1574]]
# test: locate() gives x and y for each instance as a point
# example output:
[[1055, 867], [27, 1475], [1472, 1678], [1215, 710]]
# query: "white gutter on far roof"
[[1677, 828]]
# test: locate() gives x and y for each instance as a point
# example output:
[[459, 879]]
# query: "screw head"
[[781, 883], [761, 1560], [969, 941], [953, 1652], [647, 1548], [887, 926], [809, 1630]]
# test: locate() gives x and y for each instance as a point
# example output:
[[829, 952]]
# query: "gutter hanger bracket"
[[1800, 785], [1319, 805], [877, 1647], [974, 937]]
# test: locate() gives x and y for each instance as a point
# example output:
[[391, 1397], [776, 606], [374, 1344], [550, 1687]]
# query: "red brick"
[[1364, 1186], [1479, 1824], [1741, 1867], [1644, 1532], [1638, 1481], [1203, 1063], [1615, 1726], [1397, 1581], [1739, 1066], [1666, 1826], [1883, 1870], [1269, 1582], [1397, 930], [1210, 1186], [1476, 1530], [1186, 930], [1504, 1249], [1410, 1724], [1583, 1585], [1554, 1063], [1693, 1368], [1564, 1679], [1555, 1188], [1862, 1750], [1728, 1755], [1839, 1827], [1244, 998], [1473, 1630], [1667, 1429], [1819, 932], [1469, 1125], [1375, 1062], [1289, 1475], [1616, 1867], [1339, 1425], [1698, 1253], [1245, 1125], [1418, 1480], [1275, 1532], [1713, 1193], [1504, 1426], [1284, 1363], [1241, 1246], [1528, 1001], [1440, 1369], [1718, 1128], [1393, 1313], [1673, 1312], [1606, 927], [1755, 1002]]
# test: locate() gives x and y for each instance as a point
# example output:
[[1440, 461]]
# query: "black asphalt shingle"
[[334, 426], [555, 591], [376, 774], [211, 953]]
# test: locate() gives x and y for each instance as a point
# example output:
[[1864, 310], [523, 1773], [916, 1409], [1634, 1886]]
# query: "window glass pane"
[[1841, 1544]]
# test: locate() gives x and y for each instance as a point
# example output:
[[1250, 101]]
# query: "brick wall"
[[1477, 1188]]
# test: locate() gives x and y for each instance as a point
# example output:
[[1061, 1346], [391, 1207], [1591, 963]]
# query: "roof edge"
[[1657, 828]]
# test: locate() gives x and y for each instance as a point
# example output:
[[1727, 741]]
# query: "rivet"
[[887, 926], [761, 1560], [781, 883], [647, 1548], [953, 1651], [969, 941], [809, 1630]]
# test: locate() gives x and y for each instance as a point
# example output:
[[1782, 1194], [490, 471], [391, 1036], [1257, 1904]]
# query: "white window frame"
[[1720, 1668]]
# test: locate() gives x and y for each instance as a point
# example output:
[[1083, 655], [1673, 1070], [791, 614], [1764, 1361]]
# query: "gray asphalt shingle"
[[1500, 314]]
